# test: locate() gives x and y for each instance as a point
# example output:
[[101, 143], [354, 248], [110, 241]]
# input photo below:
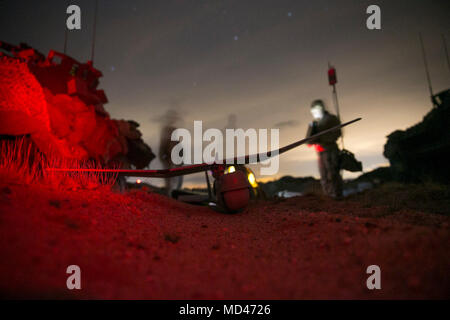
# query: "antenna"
[[93, 32], [426, 67], [332, 80], [444, 43], [66, 32], [65, 39]]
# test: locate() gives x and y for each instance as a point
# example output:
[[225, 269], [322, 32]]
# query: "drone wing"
[[264, 156], [195, 168], [161, 173]]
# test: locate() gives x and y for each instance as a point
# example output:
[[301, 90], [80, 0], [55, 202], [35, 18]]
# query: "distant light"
[[113, 68], [252, 180], [236, 38], [289, 14], [231, 169], [138, 181]]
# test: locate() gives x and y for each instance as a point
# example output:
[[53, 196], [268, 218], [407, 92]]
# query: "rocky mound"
[[420, 153], [55, 101]]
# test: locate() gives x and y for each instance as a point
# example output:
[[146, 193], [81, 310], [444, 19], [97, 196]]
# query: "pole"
[[444, 42], [336, 105], [66, 33], [338, 113], [426, 67], [65, 40], [93, 32]]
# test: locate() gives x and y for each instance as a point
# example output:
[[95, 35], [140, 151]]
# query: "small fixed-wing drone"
[[231, 191]]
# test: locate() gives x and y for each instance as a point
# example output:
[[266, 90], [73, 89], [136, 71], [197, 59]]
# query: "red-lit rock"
[[55, 100]]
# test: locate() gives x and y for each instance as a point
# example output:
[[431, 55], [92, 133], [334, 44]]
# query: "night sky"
[[264, 61]]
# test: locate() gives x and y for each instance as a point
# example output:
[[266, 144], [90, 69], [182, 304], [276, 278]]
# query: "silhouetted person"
[[165, 150], [327, 149]]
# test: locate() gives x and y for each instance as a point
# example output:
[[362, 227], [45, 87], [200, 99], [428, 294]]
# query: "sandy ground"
[[142, 245]]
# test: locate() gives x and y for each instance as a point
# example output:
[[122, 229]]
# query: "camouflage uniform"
[[330, 177]]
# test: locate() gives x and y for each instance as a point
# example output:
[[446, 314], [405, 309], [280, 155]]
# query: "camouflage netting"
[[58, 106], [22, 102]]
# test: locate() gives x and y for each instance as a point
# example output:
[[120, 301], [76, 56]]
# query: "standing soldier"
[[165, 150], [326, 146]]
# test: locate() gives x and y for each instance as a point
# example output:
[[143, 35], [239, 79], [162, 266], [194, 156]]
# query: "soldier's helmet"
[[317, 109], [318, 103]]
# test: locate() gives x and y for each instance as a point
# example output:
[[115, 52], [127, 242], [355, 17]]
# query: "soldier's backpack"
[[347, 161]]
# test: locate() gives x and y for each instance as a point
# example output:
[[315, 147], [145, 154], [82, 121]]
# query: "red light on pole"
[[332, 79]]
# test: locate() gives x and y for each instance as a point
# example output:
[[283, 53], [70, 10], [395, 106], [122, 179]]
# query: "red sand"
[[143, 245]]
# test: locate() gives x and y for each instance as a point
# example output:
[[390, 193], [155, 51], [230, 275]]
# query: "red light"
[[319, 148], [332, 78]]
